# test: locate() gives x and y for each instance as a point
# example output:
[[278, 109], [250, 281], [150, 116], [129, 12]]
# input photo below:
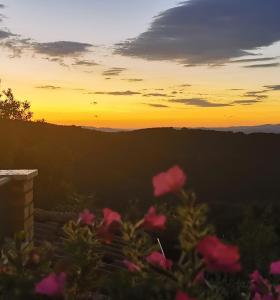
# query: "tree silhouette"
[[13, 109]]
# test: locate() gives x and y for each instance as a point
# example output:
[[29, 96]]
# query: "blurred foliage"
[[258, 239]]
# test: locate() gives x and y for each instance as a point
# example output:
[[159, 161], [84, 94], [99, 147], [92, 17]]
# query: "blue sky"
[[98, 21]]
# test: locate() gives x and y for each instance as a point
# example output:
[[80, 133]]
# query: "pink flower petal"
[[52, 285], [159, 260], [111, 217], [170, 181], [219, 256], [275, 268], [86, 217], [153, 221]]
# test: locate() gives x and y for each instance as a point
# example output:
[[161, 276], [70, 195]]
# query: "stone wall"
[[16, 203]]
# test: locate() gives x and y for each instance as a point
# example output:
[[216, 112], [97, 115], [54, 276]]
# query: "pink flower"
[[86, 217], [132, 267], [110, 217], [259, 285], [152, 221], [52, 285], [159, 260], [219, 256], [171, 181], [275, 268], [111, 222], [183, 296]]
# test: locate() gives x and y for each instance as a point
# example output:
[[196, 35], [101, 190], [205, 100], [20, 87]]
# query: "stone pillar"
[[16, 203]]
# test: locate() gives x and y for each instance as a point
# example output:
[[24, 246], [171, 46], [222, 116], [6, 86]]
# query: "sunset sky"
[[144, 63]]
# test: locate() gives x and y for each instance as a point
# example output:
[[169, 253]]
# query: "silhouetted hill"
[[223, 168]]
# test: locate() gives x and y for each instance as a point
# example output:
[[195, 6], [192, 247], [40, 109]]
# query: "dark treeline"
[[224, 169]]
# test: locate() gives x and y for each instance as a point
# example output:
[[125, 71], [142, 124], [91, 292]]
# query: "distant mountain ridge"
[[105, 129], [265, 128]]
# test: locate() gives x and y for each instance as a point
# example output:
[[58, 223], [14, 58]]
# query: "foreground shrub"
[[107, 256]]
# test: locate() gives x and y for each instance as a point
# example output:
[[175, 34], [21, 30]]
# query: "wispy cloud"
[[62, 48], [85, 63], [133, 79], [272, 65], [184, 85], [246, 102], [207, 32], [200, 102], [53, 51], [256, 94], [275, 87], [248, 60], [157, 105], [117, 93], [113, 71], [155, 95], [48, 87]]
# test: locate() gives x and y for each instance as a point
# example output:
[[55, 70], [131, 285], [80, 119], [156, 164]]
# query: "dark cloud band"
[[207, 32]]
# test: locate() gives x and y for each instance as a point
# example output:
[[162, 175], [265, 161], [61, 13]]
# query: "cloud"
[[113, 71], [275, 87], [58, 60], [117, 93], [246, 102], [200, 102], [62, 48], [256, 94], [184, 85], [2, 6], [155, 95], [86, 63], [48, 87], [207, 32], [134, 79], [157, 105], [248, 60], [5, 34], [15, 44], [272, 65], [53, 51]]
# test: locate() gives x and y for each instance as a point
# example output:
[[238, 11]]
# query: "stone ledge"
[[19, 175]]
